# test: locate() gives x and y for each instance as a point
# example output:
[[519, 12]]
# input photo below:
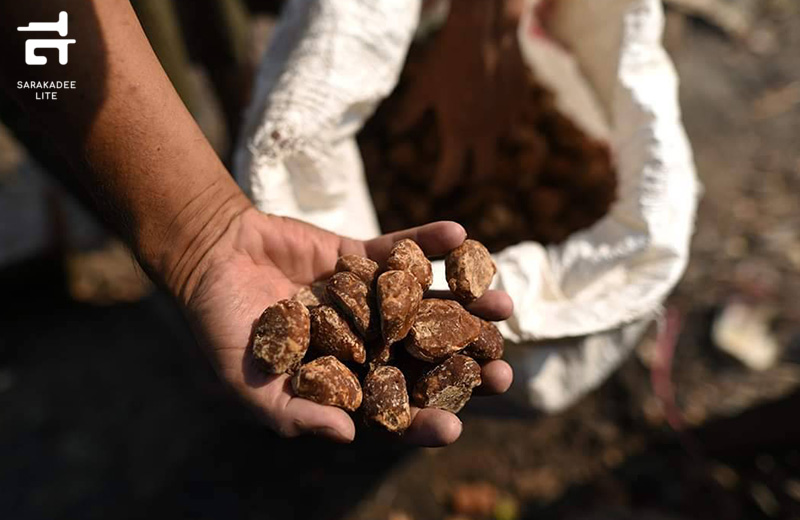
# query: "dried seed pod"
[[448, 386], [281, 336], [327, 381], [406, 255], [442, 328], [399, 296], [351, 296], [469, 269], [311, 295], [386, 399], [489, 344], [364, 268], [331, 335]]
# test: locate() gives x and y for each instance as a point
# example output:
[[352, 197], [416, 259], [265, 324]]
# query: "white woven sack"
[[580, 306]]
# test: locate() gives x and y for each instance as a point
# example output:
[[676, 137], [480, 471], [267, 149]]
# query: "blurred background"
[[107, 409]]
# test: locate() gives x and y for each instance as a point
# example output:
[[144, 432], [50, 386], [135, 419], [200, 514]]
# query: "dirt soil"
[[110, 412]]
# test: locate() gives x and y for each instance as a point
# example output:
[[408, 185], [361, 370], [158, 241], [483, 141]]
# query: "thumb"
[[301, 417], [271, 399]]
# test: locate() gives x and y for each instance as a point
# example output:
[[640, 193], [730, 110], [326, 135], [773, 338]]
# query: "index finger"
[[435, 239]]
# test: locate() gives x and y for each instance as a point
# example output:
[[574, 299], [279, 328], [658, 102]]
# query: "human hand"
[[260, 259]]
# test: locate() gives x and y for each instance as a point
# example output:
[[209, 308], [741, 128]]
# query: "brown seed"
[[364, 268], [351, 296], [489, 344], [281, 337], [386, 399], [327, 381], [469, 269], [448, 386], [406, 255], [332, 335], [399, 296], [442, 328], [311, 295]]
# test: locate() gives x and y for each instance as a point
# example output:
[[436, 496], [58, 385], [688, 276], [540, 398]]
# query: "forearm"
[[127, 133]]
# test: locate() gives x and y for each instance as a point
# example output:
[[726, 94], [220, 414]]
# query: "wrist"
[[176, 255]]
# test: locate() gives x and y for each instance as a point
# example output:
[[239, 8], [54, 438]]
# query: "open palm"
[[261, 259]]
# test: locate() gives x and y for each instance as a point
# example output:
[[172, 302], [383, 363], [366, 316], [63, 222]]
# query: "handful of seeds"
[[343, 340]]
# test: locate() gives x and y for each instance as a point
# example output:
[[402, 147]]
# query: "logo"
[[31, 46]]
